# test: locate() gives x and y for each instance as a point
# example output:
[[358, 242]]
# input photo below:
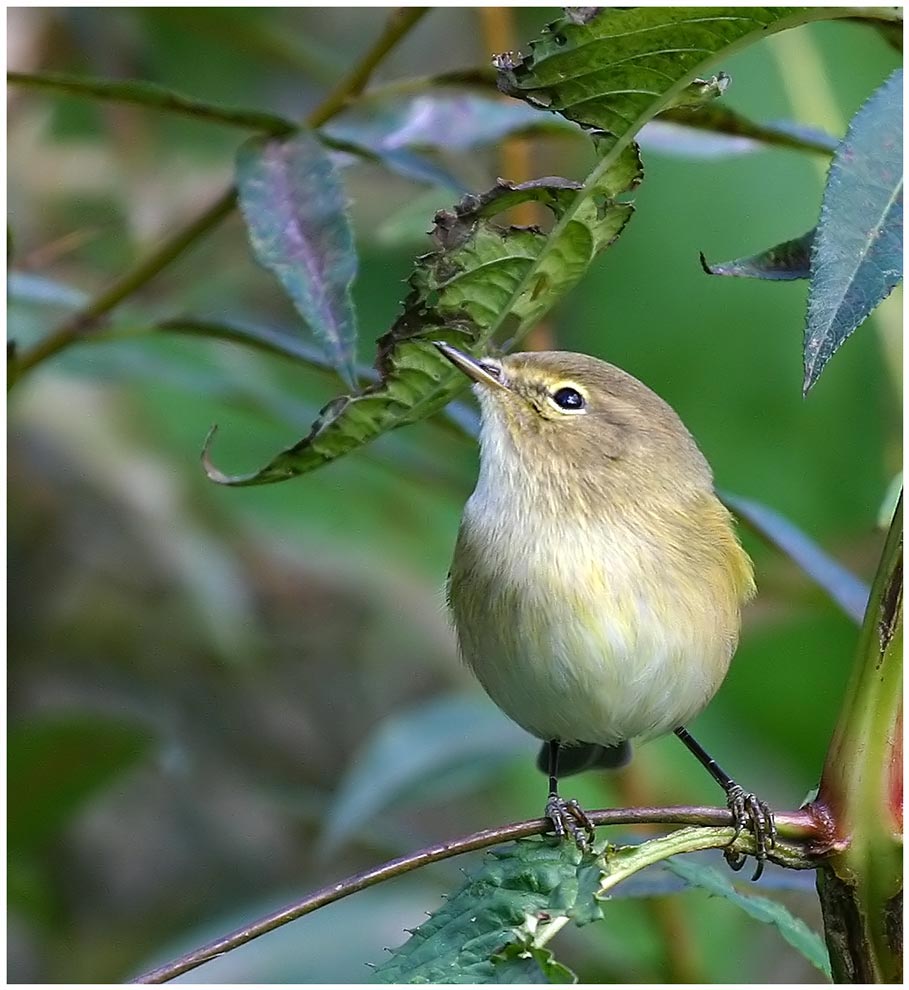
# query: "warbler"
[[597, 580]]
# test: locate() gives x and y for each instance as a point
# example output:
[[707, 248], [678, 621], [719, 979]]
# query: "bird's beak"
[[480, 371]]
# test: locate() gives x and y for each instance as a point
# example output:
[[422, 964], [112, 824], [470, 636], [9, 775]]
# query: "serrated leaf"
[[519, 891], [793, 929], [295, 211], [848, 591], [783, 263], [857, 257], [428, 746], [619, 68], [479, 277]]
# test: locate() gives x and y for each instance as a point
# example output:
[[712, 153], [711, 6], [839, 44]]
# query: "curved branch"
[[714, 822]]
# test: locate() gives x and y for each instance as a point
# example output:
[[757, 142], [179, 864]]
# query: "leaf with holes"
[[480, 277], [618, 68], [295, 211], [857, 256]]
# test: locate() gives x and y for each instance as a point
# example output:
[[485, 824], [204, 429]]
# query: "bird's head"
[[580, 423]]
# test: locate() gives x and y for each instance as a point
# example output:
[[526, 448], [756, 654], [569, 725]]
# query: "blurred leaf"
[[716, 131], [857, 257], [519, 891], [295, 210], [455, 121], [430, 745], [794, 930], [398, 160], [156, 97], [57, 763], [848, 591], [480, 277], [38, 289], [620, 67], [783, 263]]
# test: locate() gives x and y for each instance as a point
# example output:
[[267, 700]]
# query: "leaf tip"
[[705, 264], [211, 472]]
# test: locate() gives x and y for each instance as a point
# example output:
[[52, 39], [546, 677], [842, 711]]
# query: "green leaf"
[[440, 746], [155, 97], [487, 931], [520, 962], [295, 210], [615, 70], [783, 263], [619, 68], [56, 764], [857, 257], [848, 591], [793, 929], [479, 277]]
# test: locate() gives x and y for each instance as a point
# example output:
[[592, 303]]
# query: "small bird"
[[597, 581]]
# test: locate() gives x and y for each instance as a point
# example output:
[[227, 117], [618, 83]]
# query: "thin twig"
[[792, 825], [399, 23], [145, 94]]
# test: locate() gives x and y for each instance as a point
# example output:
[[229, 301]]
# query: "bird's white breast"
[[583, 632]]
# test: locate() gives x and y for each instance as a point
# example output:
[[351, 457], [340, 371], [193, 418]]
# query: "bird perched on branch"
[[597, 581]]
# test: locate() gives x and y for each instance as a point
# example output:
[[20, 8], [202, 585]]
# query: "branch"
[[399, 23], [146, 94], [715, 831]]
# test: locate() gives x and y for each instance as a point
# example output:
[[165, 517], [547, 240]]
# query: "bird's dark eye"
[[568, 398]]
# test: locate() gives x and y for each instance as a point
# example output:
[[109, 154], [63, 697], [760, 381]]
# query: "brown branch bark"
[[797, 825]]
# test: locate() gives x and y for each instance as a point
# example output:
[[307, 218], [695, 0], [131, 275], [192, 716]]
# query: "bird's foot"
[[749, 812], [569, 818]]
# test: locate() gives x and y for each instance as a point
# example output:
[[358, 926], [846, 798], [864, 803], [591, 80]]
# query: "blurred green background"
[[220, 699]]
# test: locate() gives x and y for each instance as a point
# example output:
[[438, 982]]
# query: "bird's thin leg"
[[748, 811], [567, 817]]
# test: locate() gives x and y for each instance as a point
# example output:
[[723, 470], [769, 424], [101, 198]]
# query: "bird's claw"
[[569, 818], [749, 812]]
